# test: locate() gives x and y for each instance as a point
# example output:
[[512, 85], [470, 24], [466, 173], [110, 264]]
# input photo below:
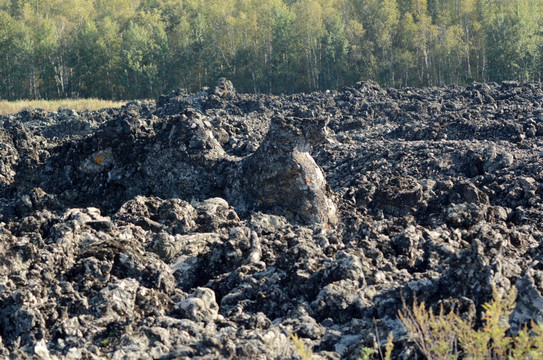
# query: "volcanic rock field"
[[213, 225]]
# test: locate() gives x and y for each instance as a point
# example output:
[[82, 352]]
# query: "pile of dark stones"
[[214, 225]]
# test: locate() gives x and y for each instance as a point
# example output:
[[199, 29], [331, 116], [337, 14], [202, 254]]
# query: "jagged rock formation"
[[138, 233], [178, 156], [282, 177]]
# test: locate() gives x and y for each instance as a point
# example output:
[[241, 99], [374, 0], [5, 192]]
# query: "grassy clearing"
[[10, 107]]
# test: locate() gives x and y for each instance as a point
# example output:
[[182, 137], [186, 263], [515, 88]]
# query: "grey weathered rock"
[[283, 177], [529, 300], [146, 232], [200, 306]]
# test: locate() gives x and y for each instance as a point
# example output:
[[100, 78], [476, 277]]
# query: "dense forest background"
[[127, 49]]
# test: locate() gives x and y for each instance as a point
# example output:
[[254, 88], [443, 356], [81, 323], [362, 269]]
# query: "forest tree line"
[[128, 49]]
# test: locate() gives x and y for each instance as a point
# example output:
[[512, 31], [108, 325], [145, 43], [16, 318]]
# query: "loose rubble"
[[214, 225]]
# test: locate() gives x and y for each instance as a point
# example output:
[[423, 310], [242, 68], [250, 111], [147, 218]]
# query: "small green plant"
[[448, 336], [105, 343], [367, 352], [304, 352]]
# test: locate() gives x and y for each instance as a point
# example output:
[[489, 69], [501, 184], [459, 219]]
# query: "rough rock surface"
[[214, 225]]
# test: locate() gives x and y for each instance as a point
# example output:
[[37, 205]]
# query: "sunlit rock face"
[[282, 176]]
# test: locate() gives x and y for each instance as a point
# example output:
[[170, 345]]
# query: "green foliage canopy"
[[141, 48]]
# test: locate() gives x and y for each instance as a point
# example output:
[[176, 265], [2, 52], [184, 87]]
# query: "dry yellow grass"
[[10, 107]]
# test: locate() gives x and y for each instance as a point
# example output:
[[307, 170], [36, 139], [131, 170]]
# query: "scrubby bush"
[[448, 336]]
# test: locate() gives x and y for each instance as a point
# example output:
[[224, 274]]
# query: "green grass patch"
[[10, 107]]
